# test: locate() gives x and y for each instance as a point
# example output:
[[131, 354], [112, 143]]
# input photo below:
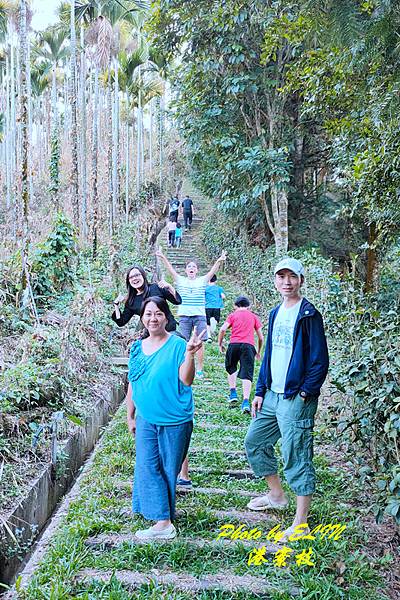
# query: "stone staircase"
[[191, 247]]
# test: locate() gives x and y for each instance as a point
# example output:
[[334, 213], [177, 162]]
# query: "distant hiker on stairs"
[[187, 205]]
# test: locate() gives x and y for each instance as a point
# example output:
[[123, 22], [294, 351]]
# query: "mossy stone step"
[[219, 582], [207, 450], [226, 516], [234, 473], [108, 541]]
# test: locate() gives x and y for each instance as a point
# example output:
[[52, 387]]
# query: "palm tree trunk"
[[115, 186], [95, 144], [83, 143], [8, 141], [161, 140], [13, 139], [24, 124], [151, 140], [110, 154], [74, 133], [127, 162]]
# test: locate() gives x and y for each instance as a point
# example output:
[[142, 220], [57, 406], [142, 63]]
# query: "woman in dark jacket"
[[139, 289]]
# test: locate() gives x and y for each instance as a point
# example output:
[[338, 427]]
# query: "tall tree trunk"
[[115, 143], [74, 183], [55, 143], [13, 130], [139, 136], [110, 154], [24, 125], [161, 140], [29, 96], [127, 162], [83, 143], [371, 277], [8, 136], [95, 145], [151, 139]]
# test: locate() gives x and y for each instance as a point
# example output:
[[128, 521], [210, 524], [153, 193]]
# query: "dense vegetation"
[[290, 111]]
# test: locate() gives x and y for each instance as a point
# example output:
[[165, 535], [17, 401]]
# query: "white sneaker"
[[168, 533]]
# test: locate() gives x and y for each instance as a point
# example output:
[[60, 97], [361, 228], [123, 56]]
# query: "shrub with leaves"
[[53, 260]]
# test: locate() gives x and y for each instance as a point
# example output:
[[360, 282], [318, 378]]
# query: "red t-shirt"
[[243, 323]]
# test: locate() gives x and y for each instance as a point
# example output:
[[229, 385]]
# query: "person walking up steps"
[[293, 370], [173, 209], [171, 233], [215, 297], [178, 235], [187, 205], [241, 349]]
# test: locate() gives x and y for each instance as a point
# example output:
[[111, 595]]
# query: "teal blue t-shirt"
[[213, 296], [157, 392]]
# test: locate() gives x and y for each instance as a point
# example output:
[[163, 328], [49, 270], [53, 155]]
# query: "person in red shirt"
[[241, 349]]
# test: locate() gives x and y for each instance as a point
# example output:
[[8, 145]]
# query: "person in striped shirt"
[[192, 316], [192, 311]]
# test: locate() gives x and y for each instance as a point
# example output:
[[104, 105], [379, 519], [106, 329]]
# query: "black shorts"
[[240, 353], [213, 312]]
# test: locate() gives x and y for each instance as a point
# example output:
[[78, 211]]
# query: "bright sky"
[[43, 13]]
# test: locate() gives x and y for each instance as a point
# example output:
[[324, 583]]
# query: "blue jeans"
[[160, 451], [293, 421]]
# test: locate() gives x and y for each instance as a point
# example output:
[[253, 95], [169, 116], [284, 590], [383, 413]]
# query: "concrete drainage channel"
[[27, 520]]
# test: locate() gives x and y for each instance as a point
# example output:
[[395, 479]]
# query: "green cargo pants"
[[293, 421]]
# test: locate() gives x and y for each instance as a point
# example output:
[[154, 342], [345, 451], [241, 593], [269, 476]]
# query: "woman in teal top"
[[160, 414]]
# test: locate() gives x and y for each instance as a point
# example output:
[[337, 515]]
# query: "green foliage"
[[53, 260], [368, 374], [239, 125], [55, 164], [25, 386], [349, 80]]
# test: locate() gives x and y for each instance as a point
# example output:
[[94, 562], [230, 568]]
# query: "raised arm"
[[216, 266], [169, 292], [160, 254], [187, 368], [123, 318]]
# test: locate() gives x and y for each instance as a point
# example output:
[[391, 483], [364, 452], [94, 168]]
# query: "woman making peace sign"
[[160, 414]]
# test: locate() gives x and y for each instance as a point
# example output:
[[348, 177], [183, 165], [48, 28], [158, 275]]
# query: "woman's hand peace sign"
[[195, 342]]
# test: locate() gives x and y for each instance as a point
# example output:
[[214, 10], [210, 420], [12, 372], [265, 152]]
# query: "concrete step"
[[233, 473], [184, 582], [108, 541]]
